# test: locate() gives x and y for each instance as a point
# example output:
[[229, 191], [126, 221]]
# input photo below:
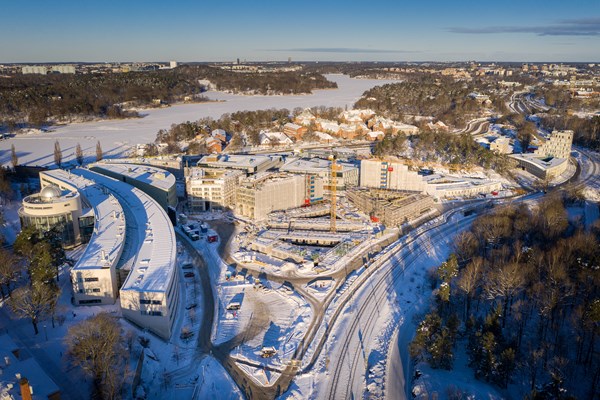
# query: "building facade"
[[155, 182], [390, 175], [391, 207], [54, 208], [558, 145], [210, 189], [258, 196], [347, 173]]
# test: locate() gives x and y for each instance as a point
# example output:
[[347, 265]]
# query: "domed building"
[[53, 207]]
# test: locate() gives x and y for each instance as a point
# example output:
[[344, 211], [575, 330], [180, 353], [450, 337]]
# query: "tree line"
[[36, 100], [521, 294]]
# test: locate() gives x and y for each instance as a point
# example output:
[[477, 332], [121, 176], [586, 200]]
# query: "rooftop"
[[156, 177], [109, 227], [313, 165], [153, 263]]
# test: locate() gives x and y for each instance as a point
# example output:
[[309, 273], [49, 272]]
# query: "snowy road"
[[118, 136]]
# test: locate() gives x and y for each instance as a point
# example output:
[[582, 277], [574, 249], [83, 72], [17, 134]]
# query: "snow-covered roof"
[[107, 240], [313, 165], [156, 177], [153, 266], [25, 365]]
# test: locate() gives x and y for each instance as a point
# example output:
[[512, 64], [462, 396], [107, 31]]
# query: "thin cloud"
[[565, 27], [342, 50]]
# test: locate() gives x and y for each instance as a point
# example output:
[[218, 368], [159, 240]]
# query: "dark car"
[[187, 266], [189, 274], [190, 306]]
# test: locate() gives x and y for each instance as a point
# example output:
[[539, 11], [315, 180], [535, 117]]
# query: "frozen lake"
[[118, 136]]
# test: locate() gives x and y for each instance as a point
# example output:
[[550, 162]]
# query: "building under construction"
[[390, 207]]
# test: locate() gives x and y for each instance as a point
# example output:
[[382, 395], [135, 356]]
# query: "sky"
[[308, 30]]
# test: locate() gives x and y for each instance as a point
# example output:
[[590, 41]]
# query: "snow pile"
[[591, 194]]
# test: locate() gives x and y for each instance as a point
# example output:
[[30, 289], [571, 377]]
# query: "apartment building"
[[210, 189], [558, 145]]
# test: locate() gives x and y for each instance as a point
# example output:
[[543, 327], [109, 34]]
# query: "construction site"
[[323, 231]]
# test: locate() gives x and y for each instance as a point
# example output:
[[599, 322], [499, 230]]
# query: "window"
[[156, 302], [152, 313], [144, 301], [94, 301], [96, 290], [91, 279]]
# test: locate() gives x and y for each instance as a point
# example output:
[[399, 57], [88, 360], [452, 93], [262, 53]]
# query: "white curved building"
[[131, 253]]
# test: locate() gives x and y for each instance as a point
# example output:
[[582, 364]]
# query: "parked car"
[[190, 306], [187, 266], [189, 274]]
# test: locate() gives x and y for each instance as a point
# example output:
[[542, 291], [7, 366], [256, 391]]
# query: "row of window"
[[146, 301], [90, 290], [152, 313]]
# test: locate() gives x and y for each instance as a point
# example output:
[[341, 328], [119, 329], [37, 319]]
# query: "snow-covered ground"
[[117, 137]]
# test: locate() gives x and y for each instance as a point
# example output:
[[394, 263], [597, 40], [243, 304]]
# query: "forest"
[[561, 116], [424, 95], [520, 294], [442, 147], [37, 101]]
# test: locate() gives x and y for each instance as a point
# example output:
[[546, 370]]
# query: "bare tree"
[[32, 302], [465, 246], [13, 156], [79, 154], [469, 280], [505, 282], [9, 269], [97, 346], [99, 153], [57, 154]]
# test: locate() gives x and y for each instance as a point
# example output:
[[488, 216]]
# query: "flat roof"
[[153, 264], [154, 176], [540, 161], [314, 165], [109, 227], [235, 160]]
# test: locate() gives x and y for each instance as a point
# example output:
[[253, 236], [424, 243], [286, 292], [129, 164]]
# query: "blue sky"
[[203, 30]]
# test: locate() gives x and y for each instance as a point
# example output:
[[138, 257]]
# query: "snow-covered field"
[[118, 136]]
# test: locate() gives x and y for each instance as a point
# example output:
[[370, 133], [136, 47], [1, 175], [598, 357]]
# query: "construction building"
[[347, 174], [558, 145], [259, 195], [210, 189], [390, 175], [250, 164], [391, 207]]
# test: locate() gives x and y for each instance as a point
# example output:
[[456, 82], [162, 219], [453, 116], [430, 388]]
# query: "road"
[[349, 365]]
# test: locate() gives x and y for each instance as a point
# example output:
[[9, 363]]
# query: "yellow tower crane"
[[333, 189]]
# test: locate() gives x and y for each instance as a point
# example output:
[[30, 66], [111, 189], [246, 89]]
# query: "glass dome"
[[50, 192]]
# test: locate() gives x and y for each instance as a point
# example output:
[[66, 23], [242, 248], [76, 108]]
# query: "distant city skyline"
[[111, 31]]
